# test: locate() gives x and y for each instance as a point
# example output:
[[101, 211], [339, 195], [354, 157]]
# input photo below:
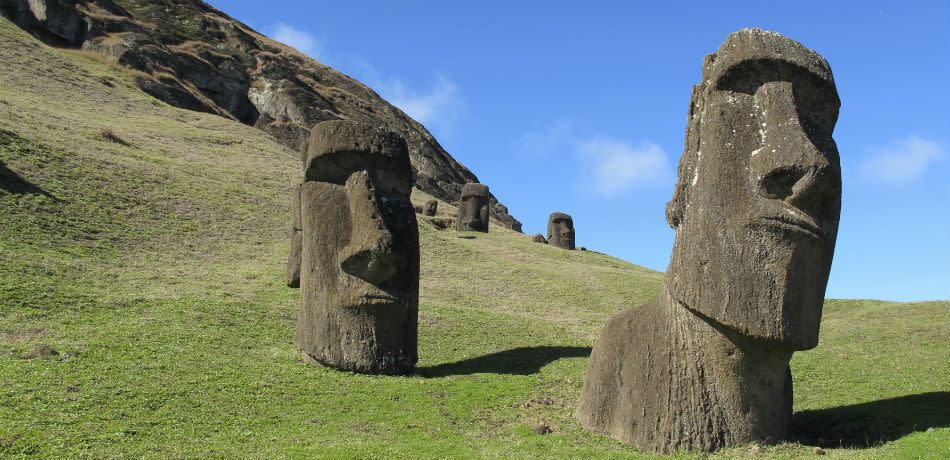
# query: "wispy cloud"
[[436, 107], [547, 140], [903, 161], [303, 41], [605, 166], [615, 167]]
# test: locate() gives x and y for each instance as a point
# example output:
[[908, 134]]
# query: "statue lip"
[[797, 222], [377, 298]]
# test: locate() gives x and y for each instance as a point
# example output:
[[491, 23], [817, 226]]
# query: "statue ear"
[[483, 213], [674, 212]]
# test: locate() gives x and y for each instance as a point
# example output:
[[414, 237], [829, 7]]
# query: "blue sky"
[[581, 107]]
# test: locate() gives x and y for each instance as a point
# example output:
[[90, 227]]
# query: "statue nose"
[[369, 254], [789, 166]]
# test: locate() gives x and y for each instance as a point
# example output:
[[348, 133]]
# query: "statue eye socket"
[[816, 98], [337, 167], [747, 76]]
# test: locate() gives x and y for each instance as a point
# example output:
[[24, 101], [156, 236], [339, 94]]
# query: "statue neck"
[[725, 388]]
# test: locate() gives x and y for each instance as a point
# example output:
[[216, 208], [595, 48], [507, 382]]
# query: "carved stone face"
[[360, 261], [430, 208], [759, 194], [561, 230], [473, 208]]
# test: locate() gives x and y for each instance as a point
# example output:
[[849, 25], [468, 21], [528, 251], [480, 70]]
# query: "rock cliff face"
[[195, 57]]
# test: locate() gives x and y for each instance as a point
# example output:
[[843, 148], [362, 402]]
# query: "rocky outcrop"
[[55, 21], [195, 57]]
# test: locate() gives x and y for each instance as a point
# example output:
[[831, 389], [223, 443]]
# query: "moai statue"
[[473, 209], [296, 243], [561, 230], [430, 208], [755, 211], [359, 273]]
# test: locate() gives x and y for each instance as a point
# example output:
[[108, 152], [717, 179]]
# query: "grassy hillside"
[[146, 246]]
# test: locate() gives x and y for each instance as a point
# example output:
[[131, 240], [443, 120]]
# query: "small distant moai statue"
[[473, 209], [296, 244], [539, 238], [561, 230], [359, 275], [430, 208], [755, 210]]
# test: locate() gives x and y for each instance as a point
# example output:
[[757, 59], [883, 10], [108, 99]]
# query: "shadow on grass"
[[516, 361], [872, 423], [12, 182]]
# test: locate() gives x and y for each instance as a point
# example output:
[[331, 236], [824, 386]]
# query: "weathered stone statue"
[[359, 274], [431, 207], [756, 212], [296, 244], [473, 209], [561, 230]]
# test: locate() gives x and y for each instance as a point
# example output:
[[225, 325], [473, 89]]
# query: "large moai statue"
[[561, 230], [473, 208], [431, 208], [359, 275], [755, 210]]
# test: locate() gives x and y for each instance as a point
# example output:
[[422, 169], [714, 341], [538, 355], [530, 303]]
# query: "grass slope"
[[146, 244]]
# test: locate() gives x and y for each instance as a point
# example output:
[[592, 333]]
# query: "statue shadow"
[[12, 182], [516, 361], [872, 423]]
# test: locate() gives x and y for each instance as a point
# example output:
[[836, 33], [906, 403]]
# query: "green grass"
[[154, 265]]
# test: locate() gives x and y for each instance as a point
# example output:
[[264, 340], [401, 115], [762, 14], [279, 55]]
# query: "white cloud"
[[303, 41], [614, 167], [546, 141], [902, 161], [436, 107]]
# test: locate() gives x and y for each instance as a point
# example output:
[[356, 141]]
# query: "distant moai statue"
[[359, 273], [431, 207], [756, 211], [473, 209], [561, 230], [296, 244]]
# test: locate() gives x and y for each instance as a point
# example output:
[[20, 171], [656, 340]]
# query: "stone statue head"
[[561, 230], [758, 197], [360, 262], [431, 208], [473, 208]]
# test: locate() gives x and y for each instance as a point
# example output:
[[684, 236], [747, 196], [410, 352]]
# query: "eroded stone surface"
[[359, 274], [561, 230], [755, 210], [296, 244], [473, 211]]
